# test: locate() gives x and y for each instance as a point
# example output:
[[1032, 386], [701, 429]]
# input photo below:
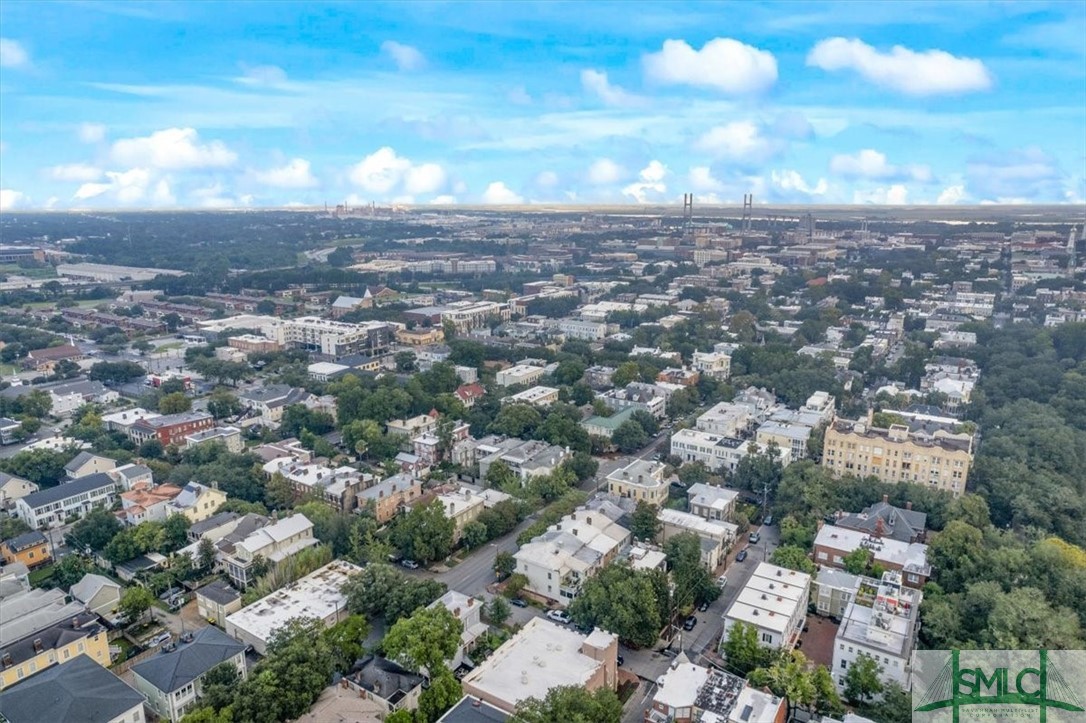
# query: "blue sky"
[[128, 104]]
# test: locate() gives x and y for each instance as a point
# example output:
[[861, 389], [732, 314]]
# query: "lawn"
[[39, 576]]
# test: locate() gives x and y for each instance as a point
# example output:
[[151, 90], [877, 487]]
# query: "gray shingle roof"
[[170, 671], [26, 540], [64, 491], [80, 691]]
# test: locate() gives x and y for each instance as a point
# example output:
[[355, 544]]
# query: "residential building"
[[598, 377], [413, 427], [823, 404], [472, 710], [711, 502], [216, 600], [715, 451], [940, 460], [197, 502], [170, 429], [123, 420], [78, 690], [85, 463], [537, 396], [45, 360], [172, 681], [390, 496], [774, 601], [727, 419], [131, 476], [583, 329], [253, 344], [66, 397], [688, 693], [558, 561], [832, 544], [640, 480], [13, 488], [98, 593], [427, 447], [229, 437], [145, 503], [882, 621], [274, 543], [420, 336], [469, 393], [336, 338], [790, 439], [270, 401], [468, 610], [885, 520], [384, 684], [462, 507], [527, 459], [468, 315], [716, 537], [51, 507], [337, 487], [678, 375], [521, 374], [9, 430], [716, 365], [317, 595], [832, 590], [39, 629], [542, 656], [30, 548], [604, 427], [646, 397]]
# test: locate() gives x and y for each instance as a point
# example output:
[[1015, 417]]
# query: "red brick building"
[[171, 428]]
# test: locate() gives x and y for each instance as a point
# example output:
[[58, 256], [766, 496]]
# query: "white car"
[[559, 616]]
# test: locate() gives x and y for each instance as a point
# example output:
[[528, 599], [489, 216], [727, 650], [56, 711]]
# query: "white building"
[[727, 419], [317, 595], [524, 374], [711, 502], [774, 601], [716, 537], [713, 364], [715, 451], [791, 439], [527, 459], [539, 396], [583, 329], [468, 610], [640, 480], [337, 338], [230, 437], [275, 543], [51, 507]]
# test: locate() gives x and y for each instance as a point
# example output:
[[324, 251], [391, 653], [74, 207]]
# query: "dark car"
[[621, 660], [690, 623], [768, 520], [519, 602], [741, 556]]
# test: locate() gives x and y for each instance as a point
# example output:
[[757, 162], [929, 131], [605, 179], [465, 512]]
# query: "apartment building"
[[146, 503], [79, 689], [253, 344], [883, 519], [527, 459], [832, 591], [468, 315], [337, 487], [832, 544], [558, 561], [414, 426], [420, 336], [337, 339], [646, 397], [522, 374], [271, 400], [583, 329], [170, 429], [774, 602], [715, 451], [51, 507], [462, 507], [716, 537], [881, 621], [710, 502], [688, 693], [538, 396], [229, 437], [274, 543], [940, 459], [727, 419], [790, 439], [640, 480]]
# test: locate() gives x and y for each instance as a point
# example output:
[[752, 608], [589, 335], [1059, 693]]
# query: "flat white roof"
[[698, 525], [680, 685], [911, 557], [771, 597]]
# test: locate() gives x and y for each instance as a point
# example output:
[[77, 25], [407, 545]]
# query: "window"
[[767, 637], [844, 664]]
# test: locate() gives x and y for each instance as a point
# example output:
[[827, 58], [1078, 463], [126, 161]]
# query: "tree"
[[217, 686], [43, 467], [693, 582], [135, 602], [644, 523], [444, 691], [381, 591], [174, 403], [856, 562], [405, 361], [622, 600], [570, 704], [12, 527], [176, 530], [297, 667], [425, 533], [151, 449], [345, 640], [206, 553], [500, 476], [504, 564], [95, 530], [222, 404], [497, 610], [743, 651], [629, 437], [474, 535], [515, 584], [425, 640], [862, 679], [70, 570], [794, 558]]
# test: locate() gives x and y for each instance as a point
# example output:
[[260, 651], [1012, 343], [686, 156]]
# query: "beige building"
[[939, 460], [462, 507], [640, 480]]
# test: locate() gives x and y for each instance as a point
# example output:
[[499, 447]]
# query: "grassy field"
[[47, 272]]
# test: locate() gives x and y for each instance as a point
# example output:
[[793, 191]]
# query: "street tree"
[[425, 533], [743, 651], [570, 704], [792, 557], [629, 437], [644, 523], [497, 610], [425, 640], [863, 679]]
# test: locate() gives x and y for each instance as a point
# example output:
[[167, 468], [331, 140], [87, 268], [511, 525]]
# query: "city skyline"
[[174, 105]]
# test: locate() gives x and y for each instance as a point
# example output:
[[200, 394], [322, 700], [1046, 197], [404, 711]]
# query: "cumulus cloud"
[[498, 194], [406, 57], [295, 174], [546, 179], [13, 55], [1028, 173], [791, 184], [605, 172], [384, 172], [739, 141], [702, 180], [929, 72], [80, 172], [172, 149], [12, 199], [216, 196], [895, 195], [136, 186], [951, 195], [650, 185], [722, 64], [92, 132], [869, 163], [262, 74], [596, 83], [443, 200]]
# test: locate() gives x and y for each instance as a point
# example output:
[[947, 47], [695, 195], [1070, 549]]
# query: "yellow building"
[[640, 480], [31, 549], [420, 336], [33, 647], [198, 502], [939, 460]]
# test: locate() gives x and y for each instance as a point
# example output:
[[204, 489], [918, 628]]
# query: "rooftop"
[[910, 557], [76, 487], [79, 690], [170, 671]]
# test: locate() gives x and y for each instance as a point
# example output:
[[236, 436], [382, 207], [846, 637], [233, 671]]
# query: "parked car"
[[755, 538], [559, 616], [159, 640], [722, 581], [621, 660], [410, 564], [741, 556], [703, 607], [768, 520], [519, 602], [690, 623]]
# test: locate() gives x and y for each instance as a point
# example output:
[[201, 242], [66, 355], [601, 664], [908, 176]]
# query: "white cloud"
[[295, 174], [443, 200], [136, 186], [929, 72], [92, 132], [605, 172], [214, 196], [406, 57], [702, 181], [51, 202], [596, 83], [171, 149], [13, 55], [791, 182], [519, 96], [383, 172], [74, 172], [262, 75], [546, 179], [739, 140], [1027, 173], [869, 163], [498, 194], [722, 64], [951, 195], [895, 195], [650, 184], [11, 199]]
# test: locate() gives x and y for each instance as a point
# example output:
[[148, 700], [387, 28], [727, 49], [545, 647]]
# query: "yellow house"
[[31, 549], [198, 502], [640, 480], [64, 640]]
